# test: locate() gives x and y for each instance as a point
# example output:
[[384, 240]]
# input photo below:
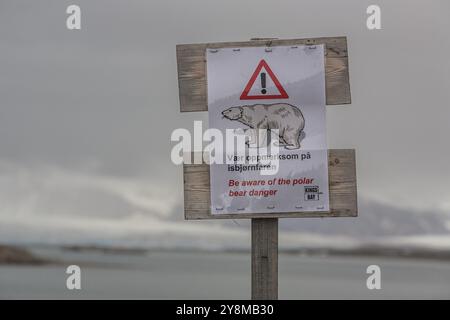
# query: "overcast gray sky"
[[86, 116]]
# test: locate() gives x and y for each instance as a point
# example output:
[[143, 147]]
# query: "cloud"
[[86, 117], [37, 192]]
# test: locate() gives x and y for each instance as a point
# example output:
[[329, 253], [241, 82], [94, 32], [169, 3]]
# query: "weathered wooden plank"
[[342, 186], [265, 259], [191, 61]]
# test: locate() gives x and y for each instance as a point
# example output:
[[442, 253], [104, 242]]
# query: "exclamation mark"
[[263, 83]]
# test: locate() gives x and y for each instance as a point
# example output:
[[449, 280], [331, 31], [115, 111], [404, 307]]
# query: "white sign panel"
[[281, 91]]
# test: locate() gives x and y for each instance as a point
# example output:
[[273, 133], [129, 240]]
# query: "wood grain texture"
[[264, 259], [342, 186], [191, 62]]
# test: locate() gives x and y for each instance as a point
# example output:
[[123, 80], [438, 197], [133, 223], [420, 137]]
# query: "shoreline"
[[24, 255]]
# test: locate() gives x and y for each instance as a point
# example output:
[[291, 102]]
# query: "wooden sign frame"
[[192, 83], [341, 180]]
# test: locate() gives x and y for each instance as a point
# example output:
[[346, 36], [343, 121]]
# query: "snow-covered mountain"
[[377, 220]]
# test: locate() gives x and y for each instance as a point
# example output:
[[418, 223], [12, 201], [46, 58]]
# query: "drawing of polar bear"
[[286, 118]]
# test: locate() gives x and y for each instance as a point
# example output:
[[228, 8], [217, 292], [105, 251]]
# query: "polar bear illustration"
[[286, 118]]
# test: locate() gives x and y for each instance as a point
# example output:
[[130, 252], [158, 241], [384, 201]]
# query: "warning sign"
[[268, 87], [281, 93]]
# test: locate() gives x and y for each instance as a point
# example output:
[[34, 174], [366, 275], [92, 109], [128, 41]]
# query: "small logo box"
[[312, 193]]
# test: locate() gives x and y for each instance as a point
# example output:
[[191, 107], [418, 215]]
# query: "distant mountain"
[[378, 225], [376, 220]]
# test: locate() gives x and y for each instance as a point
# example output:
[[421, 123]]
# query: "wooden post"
[[265, 259], [264, 253]]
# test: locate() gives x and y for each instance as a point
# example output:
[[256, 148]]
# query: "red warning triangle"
[[263, 64]]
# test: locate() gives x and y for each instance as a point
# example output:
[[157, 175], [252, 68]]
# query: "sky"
[[86, 116]]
